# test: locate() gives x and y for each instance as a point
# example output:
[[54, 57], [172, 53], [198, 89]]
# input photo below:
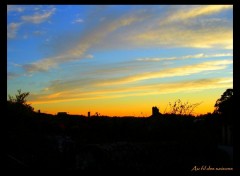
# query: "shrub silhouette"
[[182, 108]]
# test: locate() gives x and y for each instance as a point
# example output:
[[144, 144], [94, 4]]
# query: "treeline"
[[168, 127]]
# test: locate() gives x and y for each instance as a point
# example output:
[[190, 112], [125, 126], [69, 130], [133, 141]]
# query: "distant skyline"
[[119, 60]]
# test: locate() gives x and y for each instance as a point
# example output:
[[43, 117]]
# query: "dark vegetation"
[[176, 140]]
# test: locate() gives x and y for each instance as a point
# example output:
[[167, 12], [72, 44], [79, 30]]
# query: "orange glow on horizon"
[[111, 108]]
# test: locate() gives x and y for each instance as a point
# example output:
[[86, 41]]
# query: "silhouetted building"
[[89, 114], [155, 112]]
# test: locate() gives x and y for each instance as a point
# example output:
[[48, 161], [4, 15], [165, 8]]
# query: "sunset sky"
[[119, 60]]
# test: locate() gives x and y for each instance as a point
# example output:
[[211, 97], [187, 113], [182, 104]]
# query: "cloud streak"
[[172, 72], [190, 30], [78, 52], [129, 30], [90, 83], [38, 18], [196, 11], [195, 56], [163, 88], [11, 75], [14, 8], [178, 36], [78, 20], [12, 29]]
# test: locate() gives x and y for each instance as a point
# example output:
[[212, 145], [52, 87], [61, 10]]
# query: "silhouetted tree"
[[182, 108], [224, 105], [19, 103]]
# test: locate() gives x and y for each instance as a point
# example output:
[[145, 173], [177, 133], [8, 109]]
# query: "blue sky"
[[77, 58]]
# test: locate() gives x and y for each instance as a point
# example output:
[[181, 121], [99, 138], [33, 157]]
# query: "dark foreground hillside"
[[42, 141]]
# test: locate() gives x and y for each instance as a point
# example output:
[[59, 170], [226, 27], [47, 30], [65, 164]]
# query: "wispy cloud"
[[38, 18], [194, 11], [172, 72], [12, 29], [179, 26], [151, 89], [38, 32], [130, 30], [91, 82], [44, 65], [78, 20], [89, 56], [183, 36], [195, 56], [89, 40], [14, 8], [12, 75]]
